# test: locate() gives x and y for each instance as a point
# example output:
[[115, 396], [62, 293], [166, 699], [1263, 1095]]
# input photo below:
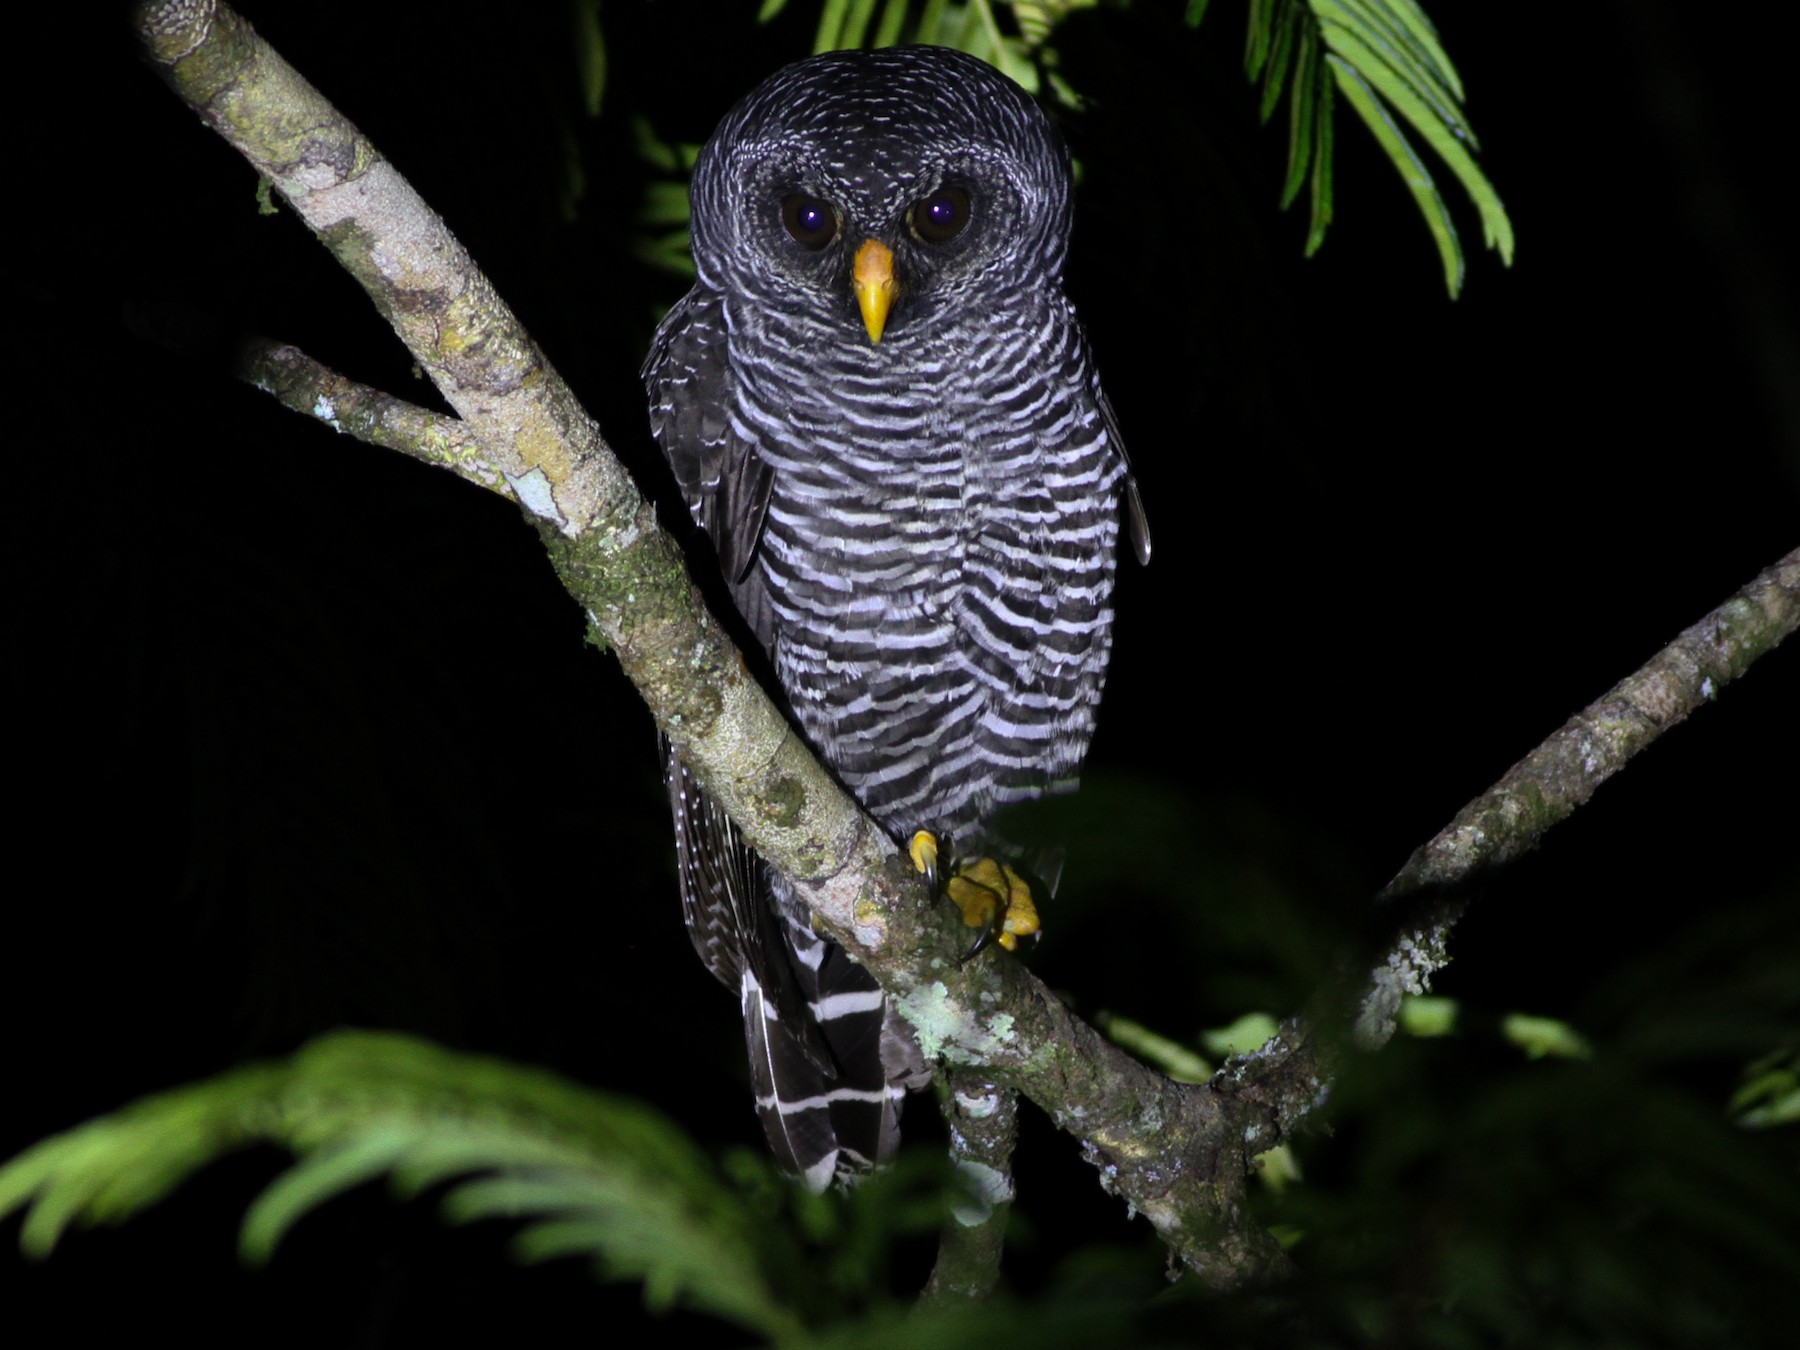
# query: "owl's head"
[[882, 192]]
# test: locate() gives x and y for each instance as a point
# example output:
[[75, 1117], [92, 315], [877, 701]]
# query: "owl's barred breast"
[[939, 553]]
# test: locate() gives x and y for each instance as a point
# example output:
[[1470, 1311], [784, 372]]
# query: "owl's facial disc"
[[872, 277]]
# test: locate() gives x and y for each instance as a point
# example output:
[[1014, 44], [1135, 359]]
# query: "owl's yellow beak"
[[872, 276]]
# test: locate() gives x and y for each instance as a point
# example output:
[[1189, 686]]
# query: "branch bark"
[[1549, 784], [984, 1126], [1178, 1153]]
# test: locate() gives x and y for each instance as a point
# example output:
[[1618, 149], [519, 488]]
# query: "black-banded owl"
[[881, 408]]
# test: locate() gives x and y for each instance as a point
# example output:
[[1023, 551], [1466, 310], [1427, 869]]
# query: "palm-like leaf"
[[1384, 57], [586, 1173]]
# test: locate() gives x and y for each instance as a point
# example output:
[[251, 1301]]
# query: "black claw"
[[986, 936]]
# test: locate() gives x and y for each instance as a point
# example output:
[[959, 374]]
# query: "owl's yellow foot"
[[991, 896], [924, 852]]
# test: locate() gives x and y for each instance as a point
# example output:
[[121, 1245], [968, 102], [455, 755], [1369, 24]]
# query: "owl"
[[881, 409]]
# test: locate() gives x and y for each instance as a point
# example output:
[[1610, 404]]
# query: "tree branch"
[[1505, 822], [1546, 787], [1176, 1152], [298, 382], [983, 1119]]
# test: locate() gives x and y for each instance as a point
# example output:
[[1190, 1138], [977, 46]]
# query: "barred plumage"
[[917, 511]]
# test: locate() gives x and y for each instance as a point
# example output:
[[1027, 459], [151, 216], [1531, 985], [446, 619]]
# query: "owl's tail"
[[830, 1062], [840, 1120]]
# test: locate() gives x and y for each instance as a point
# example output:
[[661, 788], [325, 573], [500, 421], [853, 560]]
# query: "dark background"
[[274, 748]]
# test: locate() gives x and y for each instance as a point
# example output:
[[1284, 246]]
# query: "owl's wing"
[[725, 484], [1137, 524], [829, 1065]]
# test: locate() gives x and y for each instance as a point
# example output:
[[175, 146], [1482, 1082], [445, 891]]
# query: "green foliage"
[[1384, 57], [1770, 1094], [587, 1174], [662, 240], [1560, 1203], [1246, 1034], [972, 27], [1164, 1053], [1426, 1015], [589, 46], [1541, 1037]]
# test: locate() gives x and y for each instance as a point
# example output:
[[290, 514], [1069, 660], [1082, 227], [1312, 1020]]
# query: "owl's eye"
[[812, 222], [941, 216]]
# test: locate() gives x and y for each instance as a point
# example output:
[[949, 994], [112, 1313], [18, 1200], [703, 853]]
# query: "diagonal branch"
[[1548, 785], [1431, 891]]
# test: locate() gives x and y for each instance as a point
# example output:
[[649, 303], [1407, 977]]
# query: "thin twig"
[[297, 381]]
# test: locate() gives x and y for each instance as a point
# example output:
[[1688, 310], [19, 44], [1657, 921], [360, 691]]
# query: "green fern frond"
[[585, 1173], [971, 27], [1386, 60]]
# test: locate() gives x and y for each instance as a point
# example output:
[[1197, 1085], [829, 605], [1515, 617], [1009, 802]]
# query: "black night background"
[[306, 736]]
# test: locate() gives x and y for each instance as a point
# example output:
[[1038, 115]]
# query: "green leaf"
[[1250, 1032], [1259, 36], [1386, 46], [1421, 37], [590, 54], [1303, 99], [1770, 1093], [1321, 167], [651, 148], [1281, 53], [1277, 1168], [1428, 1015], [1162, 1052], [355, 1106], [1541, 1037], [665, 203], [856, 23], [110, 1169], [931, 27], [893, 20], [303, 1188], [1386, 59], [1413, 172], [1496, 227]]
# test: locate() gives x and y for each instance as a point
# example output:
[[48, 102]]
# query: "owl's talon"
[[923, 849], [995, 899]]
